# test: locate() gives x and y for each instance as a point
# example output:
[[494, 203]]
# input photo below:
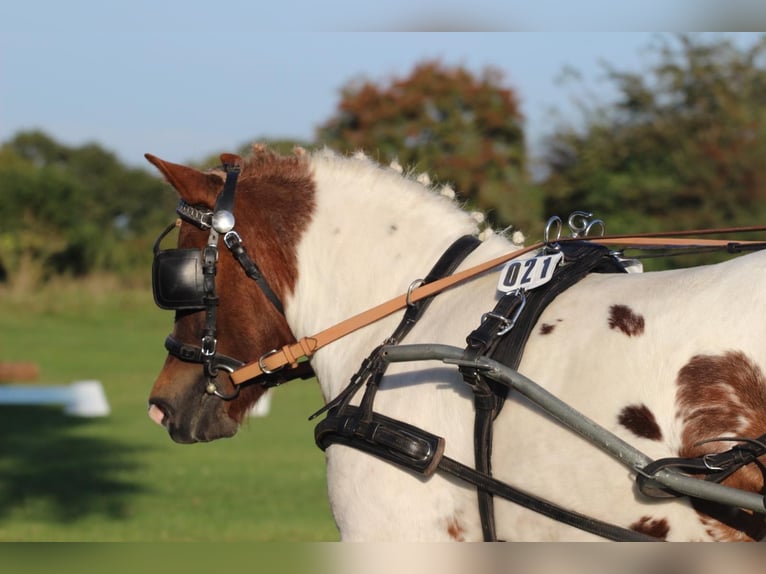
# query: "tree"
[[75, 209], [463, 130], [681, 148]]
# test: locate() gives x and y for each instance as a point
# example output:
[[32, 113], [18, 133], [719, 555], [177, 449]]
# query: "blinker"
[[178, 277]]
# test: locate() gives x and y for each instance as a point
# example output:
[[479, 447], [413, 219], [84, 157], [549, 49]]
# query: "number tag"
[[528, 273]]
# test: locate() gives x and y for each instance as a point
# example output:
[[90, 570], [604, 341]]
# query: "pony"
[[668, 361]]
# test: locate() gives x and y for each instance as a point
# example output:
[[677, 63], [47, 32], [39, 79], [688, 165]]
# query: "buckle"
[[209, 345], [507, 323], [264, 369], [232, 238]]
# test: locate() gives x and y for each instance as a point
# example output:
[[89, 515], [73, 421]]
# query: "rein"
[[290, 355]]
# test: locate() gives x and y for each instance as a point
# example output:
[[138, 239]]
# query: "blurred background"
[[521, 113]]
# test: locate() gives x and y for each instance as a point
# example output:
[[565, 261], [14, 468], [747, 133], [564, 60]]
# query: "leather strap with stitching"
[[307, 346]]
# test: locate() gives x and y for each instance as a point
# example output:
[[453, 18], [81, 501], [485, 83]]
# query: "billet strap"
[[307, 346]]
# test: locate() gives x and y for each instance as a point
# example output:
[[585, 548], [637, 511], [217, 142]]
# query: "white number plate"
[[528, 273]]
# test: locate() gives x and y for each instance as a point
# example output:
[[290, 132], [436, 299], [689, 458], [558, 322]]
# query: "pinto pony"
[[667, 361]]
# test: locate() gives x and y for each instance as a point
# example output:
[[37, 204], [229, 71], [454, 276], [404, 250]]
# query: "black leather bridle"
[[184, 280]]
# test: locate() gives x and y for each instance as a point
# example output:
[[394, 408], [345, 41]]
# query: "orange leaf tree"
[[463, 130]]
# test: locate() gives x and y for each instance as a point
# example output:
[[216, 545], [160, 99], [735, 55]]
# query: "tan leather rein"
[[290, 355]]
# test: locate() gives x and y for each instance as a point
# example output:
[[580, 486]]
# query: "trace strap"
[[423, 452]]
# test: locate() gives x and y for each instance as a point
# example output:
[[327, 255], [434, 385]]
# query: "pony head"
[[273, 203]]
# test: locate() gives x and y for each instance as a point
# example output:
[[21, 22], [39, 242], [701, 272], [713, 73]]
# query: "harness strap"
[[716, 467], [234, 242], [540, 505], [372, 368], [193, 354], [418, 450], [446, 265], [277, 358], [232, 165], [499, 337], [487, 402]]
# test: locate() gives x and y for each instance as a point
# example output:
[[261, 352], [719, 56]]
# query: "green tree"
[[75, 209], [463, 130], [681, 148]]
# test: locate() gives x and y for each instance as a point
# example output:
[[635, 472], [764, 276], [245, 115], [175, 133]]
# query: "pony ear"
[[194, 186]]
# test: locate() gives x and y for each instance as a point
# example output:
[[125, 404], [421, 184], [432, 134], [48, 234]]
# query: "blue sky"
[[182, 79]]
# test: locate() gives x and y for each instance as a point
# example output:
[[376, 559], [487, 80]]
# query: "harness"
[[500, 338], [420, 451], [183, 280]]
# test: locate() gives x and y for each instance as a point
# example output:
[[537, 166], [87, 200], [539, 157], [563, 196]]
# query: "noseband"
[[183, 280]]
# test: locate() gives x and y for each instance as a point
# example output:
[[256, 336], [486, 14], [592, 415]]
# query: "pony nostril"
[[157, 414]]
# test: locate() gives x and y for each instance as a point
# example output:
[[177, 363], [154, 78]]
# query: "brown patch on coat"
[[639, 420], [622, 317], [719, 396], [547, 328], [655, 527], [455, 530]]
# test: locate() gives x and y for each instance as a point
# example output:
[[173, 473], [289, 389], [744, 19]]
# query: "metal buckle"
[[264, 369], [209, 345], [231, 238], [202, 218], [507, 325], [507, 322]]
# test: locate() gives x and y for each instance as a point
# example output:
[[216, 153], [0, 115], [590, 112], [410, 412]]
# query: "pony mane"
[[415, 186], [264, 164]]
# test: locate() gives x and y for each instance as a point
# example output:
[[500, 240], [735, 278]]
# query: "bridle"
[[184, 280]]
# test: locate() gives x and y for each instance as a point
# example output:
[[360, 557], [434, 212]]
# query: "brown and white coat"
[[664, 360]]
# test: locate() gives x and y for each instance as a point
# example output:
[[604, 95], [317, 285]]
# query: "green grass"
[[121, 478]]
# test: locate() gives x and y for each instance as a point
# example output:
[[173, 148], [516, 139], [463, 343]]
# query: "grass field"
[[120, 478]]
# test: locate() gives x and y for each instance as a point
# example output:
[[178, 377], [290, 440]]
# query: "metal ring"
[[212, 389], [594, 223], [263, 367], [578, 222], [230, 397], [709, 465], [552, 223], [414, 285]]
